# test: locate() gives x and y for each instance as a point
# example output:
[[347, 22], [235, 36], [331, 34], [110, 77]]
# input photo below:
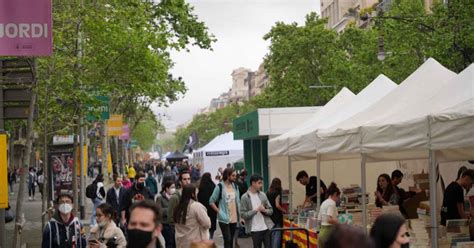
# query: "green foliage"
[[119, 49], [146, 131], [303, 55]]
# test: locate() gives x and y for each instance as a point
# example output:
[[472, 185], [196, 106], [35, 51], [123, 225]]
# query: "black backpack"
[[91, 190]]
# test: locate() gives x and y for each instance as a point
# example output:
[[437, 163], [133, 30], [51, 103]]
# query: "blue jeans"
[[96, 202], [276, 237]]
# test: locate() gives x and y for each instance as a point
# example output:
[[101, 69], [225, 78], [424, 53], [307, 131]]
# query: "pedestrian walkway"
[[32, 232]]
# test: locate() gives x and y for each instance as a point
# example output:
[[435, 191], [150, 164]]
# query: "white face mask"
[[102, 223], [171, 191], [65, 208]]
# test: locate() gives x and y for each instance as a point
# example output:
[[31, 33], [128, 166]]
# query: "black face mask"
[[138, 238], [140, 185]]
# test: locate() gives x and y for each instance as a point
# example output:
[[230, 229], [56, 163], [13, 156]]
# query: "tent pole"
[[433, 200], [363, 180], [290, 192], [318, 175]]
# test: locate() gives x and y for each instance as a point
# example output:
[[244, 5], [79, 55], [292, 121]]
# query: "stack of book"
[[419, 233]]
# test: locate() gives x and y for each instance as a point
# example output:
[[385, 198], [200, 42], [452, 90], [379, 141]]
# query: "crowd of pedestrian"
[[175, 206]]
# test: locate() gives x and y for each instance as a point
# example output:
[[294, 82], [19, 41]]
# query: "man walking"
[[63, 230], [255, 210], [225, 201], [115, 197]]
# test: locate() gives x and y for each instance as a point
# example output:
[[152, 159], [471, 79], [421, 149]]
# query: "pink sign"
[[25, 28], [125, 132]]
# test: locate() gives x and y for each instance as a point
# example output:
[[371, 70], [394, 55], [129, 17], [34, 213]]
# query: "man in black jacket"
[[138, 192], [115, 196]]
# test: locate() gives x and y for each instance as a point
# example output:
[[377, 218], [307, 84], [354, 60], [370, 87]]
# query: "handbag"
[[9, 216]]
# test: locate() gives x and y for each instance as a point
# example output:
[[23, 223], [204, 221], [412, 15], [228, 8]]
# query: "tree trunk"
[[24, 168], [76, 163], [104, 150]]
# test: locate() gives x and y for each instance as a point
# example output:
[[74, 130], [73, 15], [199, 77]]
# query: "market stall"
[[255, 128], [218, 152], [416, 121], [300, 143]]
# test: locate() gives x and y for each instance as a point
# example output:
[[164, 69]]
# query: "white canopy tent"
[[401, 126], [279, 145], [300, 140], [217, 153]]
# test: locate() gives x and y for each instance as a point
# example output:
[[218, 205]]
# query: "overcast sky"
[[239, 26]]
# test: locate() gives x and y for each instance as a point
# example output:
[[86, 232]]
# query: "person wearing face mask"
[[138, 192], [115, 197], [106, 233], [144, 227], [328, 213], [64, 229], [191, 220], [390, 231], [163, 199]]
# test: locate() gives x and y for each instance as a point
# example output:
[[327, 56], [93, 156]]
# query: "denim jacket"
[[224, 216]]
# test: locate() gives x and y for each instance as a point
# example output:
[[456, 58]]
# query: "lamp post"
[[381, 54]]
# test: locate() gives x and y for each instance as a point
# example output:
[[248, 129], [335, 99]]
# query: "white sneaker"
[[29, 198]]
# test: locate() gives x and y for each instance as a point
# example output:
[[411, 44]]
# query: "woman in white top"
[[328, 213]]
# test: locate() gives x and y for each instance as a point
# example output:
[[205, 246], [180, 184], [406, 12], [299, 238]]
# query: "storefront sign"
[[246, 126], [217, 153], [63, 139], [25, 28], [114, 125], [102, 109]]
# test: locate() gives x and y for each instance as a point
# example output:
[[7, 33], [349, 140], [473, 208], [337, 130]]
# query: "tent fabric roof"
[[279, 145], [403, 103], [304, 147], [223, 142], [176, 155], [444, 121]]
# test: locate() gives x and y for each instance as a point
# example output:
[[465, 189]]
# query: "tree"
[[146, 131], [119, 49]]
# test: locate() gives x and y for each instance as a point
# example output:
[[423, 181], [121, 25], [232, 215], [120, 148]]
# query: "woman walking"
[[191, 220], [163, 201], [274, 197], [206, 187], [106, 233]]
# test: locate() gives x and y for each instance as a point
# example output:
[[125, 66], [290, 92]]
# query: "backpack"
[[91, 190], [219, 198]]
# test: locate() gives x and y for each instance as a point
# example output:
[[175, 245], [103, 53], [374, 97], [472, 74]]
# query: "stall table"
[[299, 237]]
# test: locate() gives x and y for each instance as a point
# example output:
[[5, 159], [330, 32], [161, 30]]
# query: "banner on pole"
[[3, 172], [125, 132], [109, 163], [78, 159], [26, 28], [114, 125]]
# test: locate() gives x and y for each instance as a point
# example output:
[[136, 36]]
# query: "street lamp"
[[381, 52]]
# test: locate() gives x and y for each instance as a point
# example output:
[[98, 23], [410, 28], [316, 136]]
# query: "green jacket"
[[223, 216], [173, 203]]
